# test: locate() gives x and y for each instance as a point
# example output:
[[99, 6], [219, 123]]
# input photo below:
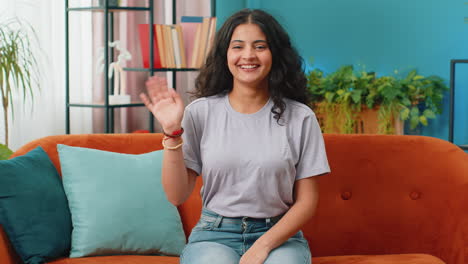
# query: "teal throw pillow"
[[33, 207], [118, 205]]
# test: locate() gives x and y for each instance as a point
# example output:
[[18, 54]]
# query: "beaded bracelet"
[[174, 147]]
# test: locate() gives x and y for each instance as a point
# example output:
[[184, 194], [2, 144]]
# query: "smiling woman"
[[251, 137]]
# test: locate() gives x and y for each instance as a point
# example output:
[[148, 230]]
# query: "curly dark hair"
[[286, 78]]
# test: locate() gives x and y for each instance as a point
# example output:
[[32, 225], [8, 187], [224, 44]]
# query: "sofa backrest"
[[385, 195], [392, 194]]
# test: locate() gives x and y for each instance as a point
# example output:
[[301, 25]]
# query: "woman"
[[252, 138]]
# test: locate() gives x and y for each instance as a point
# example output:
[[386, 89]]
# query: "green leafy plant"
[[342, 95], [18, 64], [5, 152]]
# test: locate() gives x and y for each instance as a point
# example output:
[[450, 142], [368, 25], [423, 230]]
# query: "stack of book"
[[184, 45]]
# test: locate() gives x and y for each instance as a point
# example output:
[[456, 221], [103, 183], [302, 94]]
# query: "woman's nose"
[[248, 53]]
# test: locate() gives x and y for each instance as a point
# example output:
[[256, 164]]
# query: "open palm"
[[165, 103]]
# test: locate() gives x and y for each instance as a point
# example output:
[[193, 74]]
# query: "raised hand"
[[165, 103]]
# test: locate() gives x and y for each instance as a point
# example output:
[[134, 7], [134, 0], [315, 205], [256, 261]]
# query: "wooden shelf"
[[111, 9], [103, 105], [161, 69]]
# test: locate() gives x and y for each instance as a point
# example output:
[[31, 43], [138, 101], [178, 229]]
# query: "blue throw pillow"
[[118, 205], [33, 207]]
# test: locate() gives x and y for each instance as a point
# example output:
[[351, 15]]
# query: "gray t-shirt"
[[249, 162]]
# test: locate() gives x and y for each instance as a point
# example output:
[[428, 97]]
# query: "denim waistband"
[[272, 220]]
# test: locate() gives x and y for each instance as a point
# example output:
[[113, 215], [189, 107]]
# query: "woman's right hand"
[[165, 103]]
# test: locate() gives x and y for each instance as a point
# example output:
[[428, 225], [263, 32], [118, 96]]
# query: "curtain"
[[45, 114]]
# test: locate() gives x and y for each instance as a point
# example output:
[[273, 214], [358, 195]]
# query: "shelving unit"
[[108, 12], [453, 64]]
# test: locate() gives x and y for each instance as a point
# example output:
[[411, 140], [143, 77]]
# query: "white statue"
[[120, 95]]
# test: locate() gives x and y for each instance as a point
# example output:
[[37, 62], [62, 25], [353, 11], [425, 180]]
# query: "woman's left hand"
[[257, 254]]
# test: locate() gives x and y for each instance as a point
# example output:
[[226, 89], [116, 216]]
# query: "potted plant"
[[347, 100], [18, 64]]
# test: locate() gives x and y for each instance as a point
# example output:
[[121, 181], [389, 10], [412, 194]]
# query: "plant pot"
[[368, 123], [365, 122]]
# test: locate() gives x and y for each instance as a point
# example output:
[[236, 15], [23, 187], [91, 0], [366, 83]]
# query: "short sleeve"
[[192, 138], [312, 154]]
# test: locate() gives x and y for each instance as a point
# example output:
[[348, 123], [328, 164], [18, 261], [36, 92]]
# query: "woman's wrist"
[[172, 128], [174, 133], [264, 244], [172, 143]]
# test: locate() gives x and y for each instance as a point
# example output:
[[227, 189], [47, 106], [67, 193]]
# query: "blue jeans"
[[218, 239]]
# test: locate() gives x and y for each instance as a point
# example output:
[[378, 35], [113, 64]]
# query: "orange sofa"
[[389, 199]]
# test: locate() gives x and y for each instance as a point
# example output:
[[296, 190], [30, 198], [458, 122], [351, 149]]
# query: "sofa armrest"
[[7, 253]]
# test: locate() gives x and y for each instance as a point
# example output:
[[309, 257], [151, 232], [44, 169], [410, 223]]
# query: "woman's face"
[[249, 57]]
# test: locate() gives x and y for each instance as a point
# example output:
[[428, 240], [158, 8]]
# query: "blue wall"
[[383, 36]]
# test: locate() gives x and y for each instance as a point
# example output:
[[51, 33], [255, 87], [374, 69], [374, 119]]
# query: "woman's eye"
[[236, 47], [260, 47]]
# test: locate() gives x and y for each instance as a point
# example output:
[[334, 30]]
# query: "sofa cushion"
[[117, 204], [356, 259], [380, 259], [127, 259], [33, 207]]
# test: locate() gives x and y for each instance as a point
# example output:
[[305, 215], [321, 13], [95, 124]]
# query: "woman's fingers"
[[162, 83], [158, 91], [152, 88], [146, 101], [157, 88], [175, 96]]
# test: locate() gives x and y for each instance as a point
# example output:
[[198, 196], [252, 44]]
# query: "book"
[[181, 46], [196, 45], [161, 47], [176, 47], [189, 26], [203, 42], [143, 31], [169, 51], [191, 19], [211, 35]]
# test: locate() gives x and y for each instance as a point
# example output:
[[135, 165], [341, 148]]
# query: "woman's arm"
[[178, 182], [305, 202], [168, 108]]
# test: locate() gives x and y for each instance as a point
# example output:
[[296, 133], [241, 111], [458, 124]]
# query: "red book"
[[144, 45]]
